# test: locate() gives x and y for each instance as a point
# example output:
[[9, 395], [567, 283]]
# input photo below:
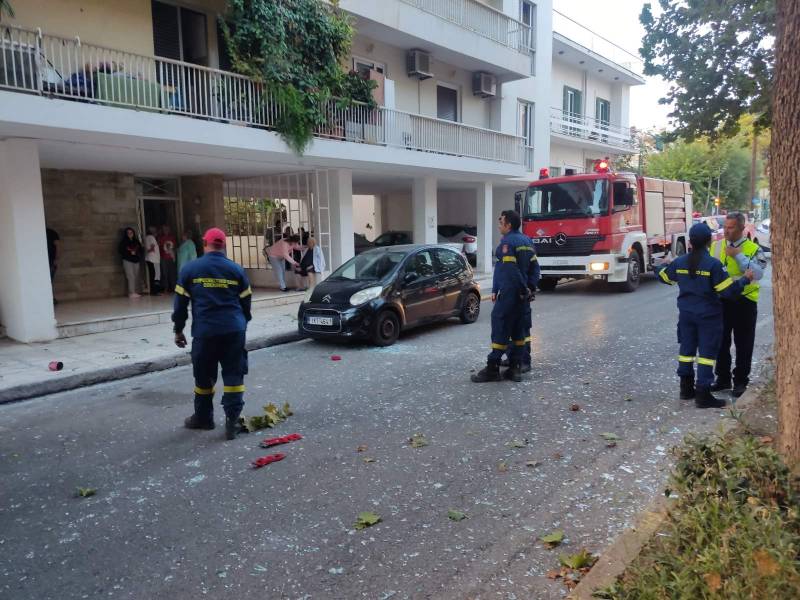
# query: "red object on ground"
[[336, 357], [56, 365], [265, 460], [276, 441]]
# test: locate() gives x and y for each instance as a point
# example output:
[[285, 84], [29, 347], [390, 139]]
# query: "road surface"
[[179, 514]]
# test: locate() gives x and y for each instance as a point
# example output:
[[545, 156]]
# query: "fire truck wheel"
[[634, 274], [548, 284]]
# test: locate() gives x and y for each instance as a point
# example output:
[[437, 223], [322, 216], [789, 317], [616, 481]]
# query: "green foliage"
[[719, 56], [367, 519], [5, 7], [733, 533], [272, 416], [296, 48]]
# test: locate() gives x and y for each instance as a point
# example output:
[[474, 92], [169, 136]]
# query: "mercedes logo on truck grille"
[[561, 239]]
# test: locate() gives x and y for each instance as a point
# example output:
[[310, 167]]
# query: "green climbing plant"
[[296, 48], [6, 8]]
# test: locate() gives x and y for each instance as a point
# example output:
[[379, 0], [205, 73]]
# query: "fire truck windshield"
[[567, 200]]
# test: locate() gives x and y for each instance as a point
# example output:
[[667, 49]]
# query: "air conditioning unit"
[[484, 85], [418, 64]]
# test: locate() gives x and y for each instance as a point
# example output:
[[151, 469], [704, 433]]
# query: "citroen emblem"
[[561, 239], [326, 298]]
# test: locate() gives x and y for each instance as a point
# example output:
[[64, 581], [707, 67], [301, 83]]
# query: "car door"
[[419, 291], [450, 273]]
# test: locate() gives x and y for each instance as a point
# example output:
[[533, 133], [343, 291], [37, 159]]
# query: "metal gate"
[[259, 210]]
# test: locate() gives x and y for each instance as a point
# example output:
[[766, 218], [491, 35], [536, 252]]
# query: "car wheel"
[[634, 274], [471, 309], [386, 329], [548, 284]]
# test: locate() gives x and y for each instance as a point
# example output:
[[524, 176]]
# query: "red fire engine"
[[604, 225]]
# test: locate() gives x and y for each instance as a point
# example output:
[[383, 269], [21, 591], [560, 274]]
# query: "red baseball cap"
[[215, 237]]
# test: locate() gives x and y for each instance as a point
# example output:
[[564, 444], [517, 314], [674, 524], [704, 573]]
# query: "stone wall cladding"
[[89, 210], [203, 205]]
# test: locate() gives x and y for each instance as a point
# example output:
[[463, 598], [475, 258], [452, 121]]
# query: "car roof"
[[408, 248]]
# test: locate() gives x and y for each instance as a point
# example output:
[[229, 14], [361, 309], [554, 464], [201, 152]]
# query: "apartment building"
[[117, 113]]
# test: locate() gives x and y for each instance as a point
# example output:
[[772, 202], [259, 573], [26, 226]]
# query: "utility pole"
[[753, 164]]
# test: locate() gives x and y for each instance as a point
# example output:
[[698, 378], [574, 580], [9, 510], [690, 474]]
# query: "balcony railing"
[[481, 19], [593, 130], [601, 46], [55, 66]]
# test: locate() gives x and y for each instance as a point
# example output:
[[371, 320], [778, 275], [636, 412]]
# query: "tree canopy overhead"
[[719, 56]]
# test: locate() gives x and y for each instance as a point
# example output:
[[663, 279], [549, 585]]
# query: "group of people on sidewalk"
[[162, 257], [300, 254]]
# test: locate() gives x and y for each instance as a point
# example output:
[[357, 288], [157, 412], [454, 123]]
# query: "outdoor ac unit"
[[418, 64], [484, 85]]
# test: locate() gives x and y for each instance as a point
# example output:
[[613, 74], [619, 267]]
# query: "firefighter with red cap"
[[220, 295]]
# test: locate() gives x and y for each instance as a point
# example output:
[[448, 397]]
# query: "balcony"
[[498, 43], [69, 69], [579, 130]]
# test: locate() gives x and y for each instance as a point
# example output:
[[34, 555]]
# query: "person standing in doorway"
[[738, 254], [130, 250], [53, 241], [278, 255], [167, 245], [187, 251], [152, 258], [220, 295]]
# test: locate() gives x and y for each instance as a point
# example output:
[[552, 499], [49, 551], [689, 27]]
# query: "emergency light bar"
[[602, 165], [544, 173]]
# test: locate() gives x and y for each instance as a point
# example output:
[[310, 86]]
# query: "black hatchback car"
[[377, 294]]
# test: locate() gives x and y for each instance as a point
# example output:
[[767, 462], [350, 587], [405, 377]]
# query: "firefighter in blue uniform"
[[512, 286], [220, 296], [534, 274], [702, 280]]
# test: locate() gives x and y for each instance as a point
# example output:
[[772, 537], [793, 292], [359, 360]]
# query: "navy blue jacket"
[[701, 296], [220, 295], [517, 267]]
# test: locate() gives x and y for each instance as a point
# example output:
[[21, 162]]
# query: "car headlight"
[[366, 295]]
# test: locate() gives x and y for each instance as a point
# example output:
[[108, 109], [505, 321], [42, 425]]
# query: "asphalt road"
[[180, 514]]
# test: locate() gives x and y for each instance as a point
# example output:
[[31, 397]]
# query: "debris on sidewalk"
[[417, 440], [55, 365], [456, 515], [367, 519], [277, 441], [551, 540], [266, 460], [82, 492], [272, 416]]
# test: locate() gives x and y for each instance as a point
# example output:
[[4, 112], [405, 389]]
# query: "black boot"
[[720, 385], [739, 389], [703, 398], [687, 388], [203, 417], [491, 372], [505, 363], [195, 422], [232, 425], [525, 368], [513, 373]]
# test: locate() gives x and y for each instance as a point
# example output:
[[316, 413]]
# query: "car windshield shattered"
[[573, 199], [370, 266]]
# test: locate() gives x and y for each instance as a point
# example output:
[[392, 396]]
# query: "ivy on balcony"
[[297, 49]]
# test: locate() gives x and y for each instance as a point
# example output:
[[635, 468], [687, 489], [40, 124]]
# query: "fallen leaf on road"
[[532, 463], [578, 561], [518, 443], [85, 492], [611, 444], [557, 455], [502, 467], [417, 441], [767, 439], [713, 581], [553, 539], [367, 519], [575, 407], [361, 449], [765, 564], [554, 574], [610, 437], [369, 460], [628, 399], [456, 515]]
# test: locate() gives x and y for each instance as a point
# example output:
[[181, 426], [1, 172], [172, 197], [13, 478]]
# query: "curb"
[[616, 558], [107, 374]]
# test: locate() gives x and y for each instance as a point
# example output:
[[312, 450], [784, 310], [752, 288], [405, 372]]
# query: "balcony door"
[[180, 33], [602, 115], [573, 109], [447, 103], [525, 130]]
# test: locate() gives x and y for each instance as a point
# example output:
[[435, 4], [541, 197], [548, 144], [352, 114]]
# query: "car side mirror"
[[410, 278], [518, 201]]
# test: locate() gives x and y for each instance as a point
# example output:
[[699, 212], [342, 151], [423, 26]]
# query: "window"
[[572, 102], [555, 171], [421, 263], [525, 125], [527, 14], [447, 103], [363, 66], [571, 200], [180, 33], [603, 111], [448, 261]]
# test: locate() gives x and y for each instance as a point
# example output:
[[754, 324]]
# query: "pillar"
[[340, 198], [26, 296], [424, 208], [485, 222]]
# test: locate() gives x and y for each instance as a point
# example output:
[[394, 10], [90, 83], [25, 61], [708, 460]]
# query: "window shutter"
[[166, 36]]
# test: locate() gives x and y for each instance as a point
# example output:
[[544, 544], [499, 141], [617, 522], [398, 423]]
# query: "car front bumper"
[[615, 267], [348, 321]]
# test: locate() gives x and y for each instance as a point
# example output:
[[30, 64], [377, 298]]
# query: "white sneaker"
[[134, 295]]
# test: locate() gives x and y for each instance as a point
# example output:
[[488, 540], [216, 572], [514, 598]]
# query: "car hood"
[[339, 291]]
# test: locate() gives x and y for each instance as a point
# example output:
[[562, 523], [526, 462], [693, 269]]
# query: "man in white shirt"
[[152, 258]]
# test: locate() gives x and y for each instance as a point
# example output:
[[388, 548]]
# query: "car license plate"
[[320, 321]]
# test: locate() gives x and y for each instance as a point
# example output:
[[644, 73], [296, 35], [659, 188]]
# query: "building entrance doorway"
[[159, 209]]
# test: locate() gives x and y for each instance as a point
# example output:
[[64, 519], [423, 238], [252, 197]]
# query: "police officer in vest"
[[512, 285], [738, 254], [220, 295]]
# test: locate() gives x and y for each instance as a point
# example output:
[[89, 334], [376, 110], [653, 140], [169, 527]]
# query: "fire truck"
[[604, 225]]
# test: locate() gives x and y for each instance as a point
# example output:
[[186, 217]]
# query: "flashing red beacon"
[[602, 165], [544, 173]]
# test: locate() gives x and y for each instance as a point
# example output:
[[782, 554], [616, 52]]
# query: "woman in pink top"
[[279, 254]]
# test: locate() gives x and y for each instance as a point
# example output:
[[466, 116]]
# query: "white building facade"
[[121, 113]]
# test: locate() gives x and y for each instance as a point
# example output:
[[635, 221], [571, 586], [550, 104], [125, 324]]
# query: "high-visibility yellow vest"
[[749, 249]]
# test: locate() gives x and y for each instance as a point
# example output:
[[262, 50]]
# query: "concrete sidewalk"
[[100, 357]]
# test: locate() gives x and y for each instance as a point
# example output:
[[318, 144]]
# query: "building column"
[[485, 223], [26, 296], [424, 208], [340, 198]]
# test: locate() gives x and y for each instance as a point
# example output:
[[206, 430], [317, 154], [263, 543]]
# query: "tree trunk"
[[785, 184]]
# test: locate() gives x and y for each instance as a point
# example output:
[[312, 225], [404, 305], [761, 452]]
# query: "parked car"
[[361, 243], [393, 238], [762, 237], [461, 234], [377, 294]]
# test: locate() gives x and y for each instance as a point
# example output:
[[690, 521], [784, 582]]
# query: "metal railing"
[[601, 46], [481, 19], [64, 67], [593, 130]]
